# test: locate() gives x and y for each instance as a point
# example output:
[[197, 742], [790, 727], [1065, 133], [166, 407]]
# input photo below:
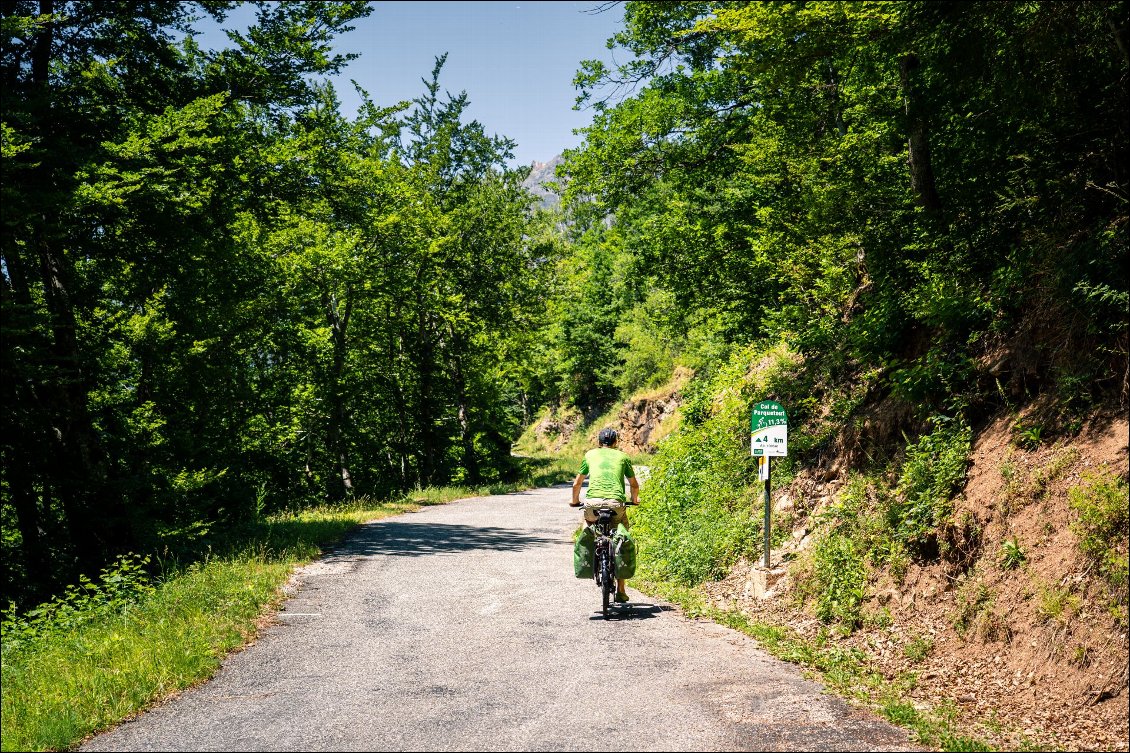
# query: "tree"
[[881, 181], [121, 163]]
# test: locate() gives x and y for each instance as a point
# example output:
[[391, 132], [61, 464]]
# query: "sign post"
[[768, 438]]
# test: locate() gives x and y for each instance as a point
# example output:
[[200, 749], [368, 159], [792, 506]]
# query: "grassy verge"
[[112, 647], [847, 672]]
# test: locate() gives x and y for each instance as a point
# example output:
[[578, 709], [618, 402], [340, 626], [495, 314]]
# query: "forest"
[[223, 298]]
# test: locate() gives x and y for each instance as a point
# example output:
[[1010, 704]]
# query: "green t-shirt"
[[606, 469]]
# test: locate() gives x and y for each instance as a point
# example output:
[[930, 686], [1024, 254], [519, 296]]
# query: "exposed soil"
[[1021, 668]]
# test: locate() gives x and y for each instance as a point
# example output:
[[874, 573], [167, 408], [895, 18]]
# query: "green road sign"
[[767, 413], [769, 430]]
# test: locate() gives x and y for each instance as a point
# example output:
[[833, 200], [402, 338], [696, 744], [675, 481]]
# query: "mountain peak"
[[540, 173]]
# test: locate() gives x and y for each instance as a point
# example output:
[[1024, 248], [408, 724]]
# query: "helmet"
[[606, 437]]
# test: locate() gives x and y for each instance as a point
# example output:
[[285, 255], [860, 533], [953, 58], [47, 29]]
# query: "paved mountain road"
[[460, 627]]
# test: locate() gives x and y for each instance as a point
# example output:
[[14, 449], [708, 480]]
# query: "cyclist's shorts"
[[591, 506]]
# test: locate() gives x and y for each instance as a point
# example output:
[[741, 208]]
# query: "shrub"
[[918, 648], [695, 519], [1057, 604], [1028, 437], [933, 470], [1102, 504], [119, 586], [837, 579]]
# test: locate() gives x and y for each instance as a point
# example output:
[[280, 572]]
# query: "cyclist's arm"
[[634, 486], [578, 482]]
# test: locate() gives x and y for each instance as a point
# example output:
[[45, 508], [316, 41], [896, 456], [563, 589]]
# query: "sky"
[[515, 59]]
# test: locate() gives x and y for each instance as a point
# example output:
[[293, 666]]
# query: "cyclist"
[[607, 468]]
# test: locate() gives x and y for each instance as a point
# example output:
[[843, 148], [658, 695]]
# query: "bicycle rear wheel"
[[608, 582]]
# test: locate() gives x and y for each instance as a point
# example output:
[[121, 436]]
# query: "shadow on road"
[[406, 539], [632, 612]]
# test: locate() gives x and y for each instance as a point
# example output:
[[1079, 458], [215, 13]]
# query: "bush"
[[695, 519], [649, 351], [120, 585], [838, 580], [1102, 504], [933, 470]]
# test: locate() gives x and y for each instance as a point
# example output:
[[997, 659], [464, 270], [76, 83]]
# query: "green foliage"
[[1057, 603], [68, 683], [650, 352], [236, 298], [1102, 504], [760, 176], [1028, 437], [918, 648], [119, 586], [1012, 555], [933, 470], [868, 526], [699, 510], [838, 581], [694, 520], [851, 534]]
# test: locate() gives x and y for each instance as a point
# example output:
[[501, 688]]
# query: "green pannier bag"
[[625, 553], [584, 553]]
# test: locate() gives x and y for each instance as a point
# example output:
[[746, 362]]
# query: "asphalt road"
[[461, 627]]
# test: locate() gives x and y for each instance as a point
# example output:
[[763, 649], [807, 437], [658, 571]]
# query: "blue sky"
[[515, 59]]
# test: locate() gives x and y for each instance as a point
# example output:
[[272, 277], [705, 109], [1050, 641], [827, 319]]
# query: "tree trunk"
[[22, 446], [20, 476], [335, 434], [425, 416], [918, 140], [76, 465], [837, 111], [466, 436], [1119, 33], [94, 517]]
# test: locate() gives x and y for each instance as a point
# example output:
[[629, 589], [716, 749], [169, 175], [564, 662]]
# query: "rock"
[[761, 582]]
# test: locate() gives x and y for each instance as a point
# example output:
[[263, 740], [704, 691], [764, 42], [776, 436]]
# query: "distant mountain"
[[543, 172]]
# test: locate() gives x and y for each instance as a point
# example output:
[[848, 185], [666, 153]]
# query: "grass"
[[59, 686], [1102, 508], [101, 655], [847, 672], [918, 648], [1020, 490], [1057, 604], [60, 689]]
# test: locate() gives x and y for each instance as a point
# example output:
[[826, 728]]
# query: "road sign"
[[771, 442], [769, 430], [767, 413]]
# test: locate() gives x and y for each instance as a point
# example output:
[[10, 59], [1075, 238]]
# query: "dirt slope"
[[1029, 655]]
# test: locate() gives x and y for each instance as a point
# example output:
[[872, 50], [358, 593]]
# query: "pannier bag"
[[625, 553], [584, 553]]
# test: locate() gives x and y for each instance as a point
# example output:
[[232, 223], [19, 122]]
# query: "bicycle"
[[604, 562]]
